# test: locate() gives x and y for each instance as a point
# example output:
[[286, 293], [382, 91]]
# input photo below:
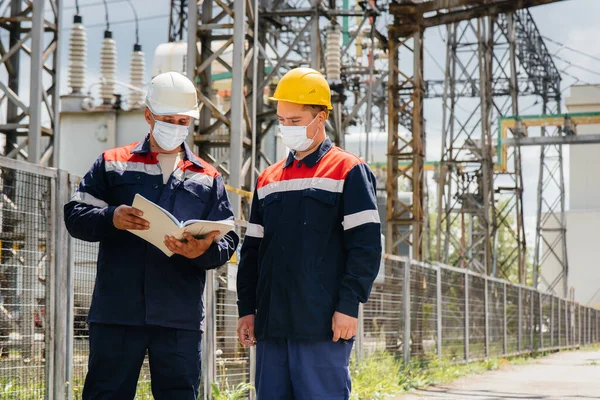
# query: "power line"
[[577, 66], [87, 5], [125, 21], [571, 48]]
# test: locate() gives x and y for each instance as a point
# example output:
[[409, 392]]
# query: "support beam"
[[553, 140], [31, 51]]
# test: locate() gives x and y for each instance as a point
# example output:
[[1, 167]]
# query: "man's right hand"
[[246, 330], [126, 217]]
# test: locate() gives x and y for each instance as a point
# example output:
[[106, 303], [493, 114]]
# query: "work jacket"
[[136, 283], [312, 245]]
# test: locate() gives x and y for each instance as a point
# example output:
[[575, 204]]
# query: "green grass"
[[382, 376]]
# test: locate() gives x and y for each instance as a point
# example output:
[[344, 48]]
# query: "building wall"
[[583, 216], [584, 168]]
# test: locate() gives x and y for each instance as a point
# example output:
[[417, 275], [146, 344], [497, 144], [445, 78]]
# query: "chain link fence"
[[416, 311], [26, 233]]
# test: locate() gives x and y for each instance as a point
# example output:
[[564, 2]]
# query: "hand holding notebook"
[[163, 223]]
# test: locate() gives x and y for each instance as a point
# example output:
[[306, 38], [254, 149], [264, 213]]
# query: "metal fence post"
[[559, 322], [439, 311], [50, 270], [520, 321], [252, 361], [358, 343], [466, 316], [209, 342], [567, 323], [541, 315], [505, 324], [486, 316], [532, 318], [589, 326], [579, 325], [60, 250], [70, 316], [597, 327], [406, 299], [551, 321]]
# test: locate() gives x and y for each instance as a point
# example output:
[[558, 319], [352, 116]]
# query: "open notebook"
[[163, 223]]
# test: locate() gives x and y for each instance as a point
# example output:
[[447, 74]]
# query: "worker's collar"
[[144, 148], [313, 158]]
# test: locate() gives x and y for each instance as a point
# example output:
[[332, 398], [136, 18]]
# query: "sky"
[[572, 23]]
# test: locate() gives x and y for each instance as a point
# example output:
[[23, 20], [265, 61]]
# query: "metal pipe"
[[466, 317], [505, 324], [520, 321], [407, 316], [34, 151], [439, 311], [552, 140]]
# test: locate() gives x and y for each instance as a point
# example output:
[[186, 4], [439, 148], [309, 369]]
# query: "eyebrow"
[[295, 117]]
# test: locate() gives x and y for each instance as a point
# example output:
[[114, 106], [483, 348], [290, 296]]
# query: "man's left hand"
[[343, 326], [190, 248]]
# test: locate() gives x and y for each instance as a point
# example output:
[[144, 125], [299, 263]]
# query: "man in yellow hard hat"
[[311, 252]]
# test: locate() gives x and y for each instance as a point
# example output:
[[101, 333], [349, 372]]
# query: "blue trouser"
[[302, 370], [117, 353]]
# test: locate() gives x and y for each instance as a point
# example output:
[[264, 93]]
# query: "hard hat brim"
[[329, 108], [159, 109]]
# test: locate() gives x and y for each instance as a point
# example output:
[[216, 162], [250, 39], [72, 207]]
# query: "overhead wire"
[[562, 45], [125, 21], [86, 5], [106, 15], [576, 66], [137, 24]]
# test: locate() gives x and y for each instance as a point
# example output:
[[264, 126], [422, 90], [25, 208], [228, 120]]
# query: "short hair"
[[315, 109]]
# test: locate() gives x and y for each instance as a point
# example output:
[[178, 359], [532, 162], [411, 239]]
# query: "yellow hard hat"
[[303, 86]]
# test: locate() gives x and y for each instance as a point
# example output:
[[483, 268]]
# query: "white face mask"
[[169, 136], [294, 137]]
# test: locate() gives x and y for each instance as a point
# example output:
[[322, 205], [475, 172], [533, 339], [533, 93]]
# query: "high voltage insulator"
[[108, 67], [77, 55], [137, 69], [333, 53]]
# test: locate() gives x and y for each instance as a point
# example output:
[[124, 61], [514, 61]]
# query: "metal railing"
[[416, 311]]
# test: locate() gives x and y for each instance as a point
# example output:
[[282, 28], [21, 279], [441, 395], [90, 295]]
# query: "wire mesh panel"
[[536, 316], [527, 328], [586, 325], [512, 319], [564, 322], [576, 325], [555, 321], [84, 257], [453, 314], [383, 314], [232, 358], [26, 223], [597, 327], [476, 317], [423, 303], [592, 326], [559, 316], [495, 308], [546, 320]]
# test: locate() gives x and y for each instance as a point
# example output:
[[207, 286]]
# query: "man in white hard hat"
[[144, 301]]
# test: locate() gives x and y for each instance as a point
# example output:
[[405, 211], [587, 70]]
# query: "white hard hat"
[[172, 93]]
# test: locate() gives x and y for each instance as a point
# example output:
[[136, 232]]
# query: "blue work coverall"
[[312, 248], [144, 301]]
